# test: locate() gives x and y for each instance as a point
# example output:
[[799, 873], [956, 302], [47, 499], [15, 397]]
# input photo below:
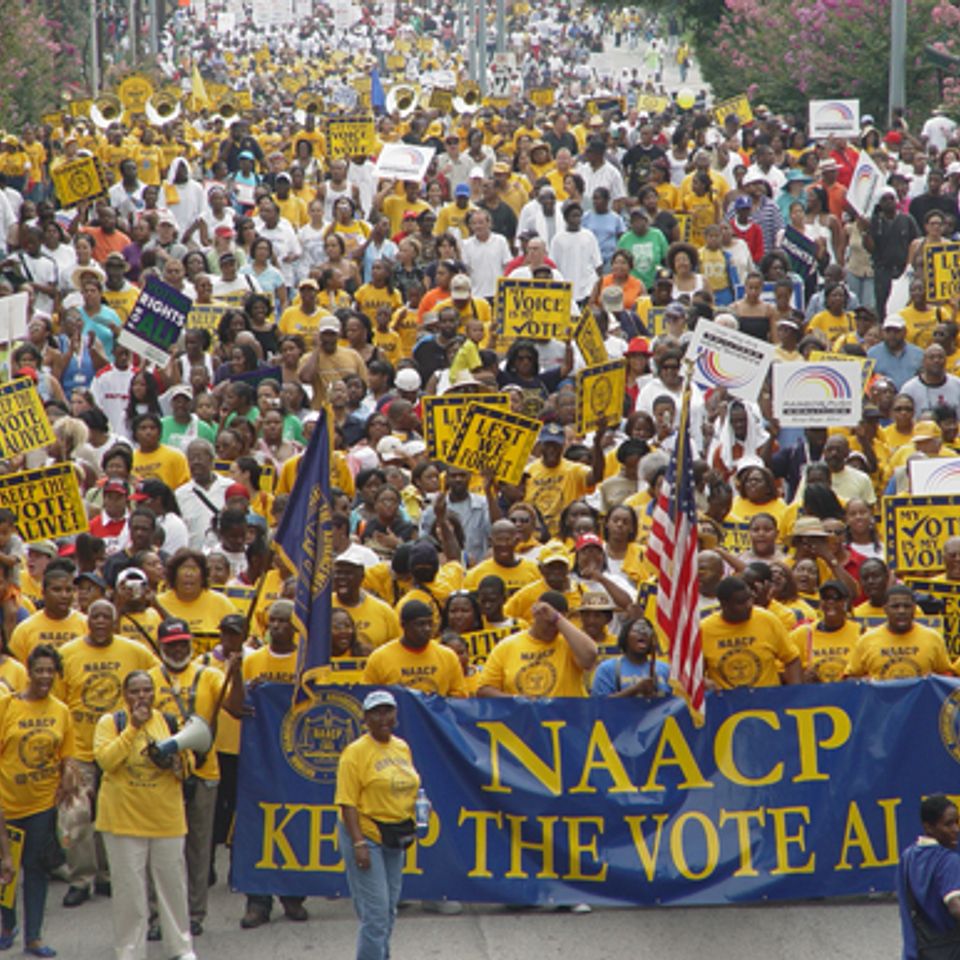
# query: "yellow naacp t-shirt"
[[379, 780], [39, 628], [376, 622], [745, 654], [514, 578], [140, 626], [520, 605], [92, 683], [432, 669], [35, 736], [228, 726], [165, 463], [550, 489], [136, 798], [882, 654], [198, 697], [13, 676], [825, 650], [522, 666], [203, 615], [270, 667]]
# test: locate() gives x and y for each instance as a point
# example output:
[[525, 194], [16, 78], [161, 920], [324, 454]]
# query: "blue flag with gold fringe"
[[304, 539]]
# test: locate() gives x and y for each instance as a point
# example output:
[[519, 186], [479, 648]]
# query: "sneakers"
[[7, 938], [102, 888], [446, 908], [253, 918], [75, 896], [295, 910]]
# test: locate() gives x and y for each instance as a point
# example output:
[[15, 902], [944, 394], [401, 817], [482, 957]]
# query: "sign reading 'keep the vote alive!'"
[[24, 424], [534, 309], [46, 502]]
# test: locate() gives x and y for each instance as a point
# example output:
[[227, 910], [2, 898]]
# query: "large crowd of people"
[[327, 287]]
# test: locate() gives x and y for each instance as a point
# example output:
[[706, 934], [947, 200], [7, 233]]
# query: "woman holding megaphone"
[[140, 813]]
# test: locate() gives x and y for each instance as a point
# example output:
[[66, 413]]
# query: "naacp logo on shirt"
[[38, 748], [740, 667], [100, 692], [537, 679], [314, 733], [900, 668], [950, 724]]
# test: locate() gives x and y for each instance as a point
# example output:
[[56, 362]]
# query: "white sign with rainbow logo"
[[834, 118], [936, 475], [729, 359], [824, 394]]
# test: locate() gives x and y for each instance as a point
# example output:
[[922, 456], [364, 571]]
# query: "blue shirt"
[[607, 228], [933, 872], [605, 676], [373, 253], [898, 368], [99, 324]]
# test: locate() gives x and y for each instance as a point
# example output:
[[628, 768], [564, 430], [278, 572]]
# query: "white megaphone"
[[196, 735]]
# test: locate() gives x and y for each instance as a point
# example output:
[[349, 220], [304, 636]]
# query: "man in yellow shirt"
[[415, 660], [554, 563], [395, 206], [303, 317], [549, 659], [452, 217], [292, 208], [554, 483], [185, 687], [375, 621], [900, 649], [57, 623], [743, 646], [825, 646], [94, 668], [503, 562]]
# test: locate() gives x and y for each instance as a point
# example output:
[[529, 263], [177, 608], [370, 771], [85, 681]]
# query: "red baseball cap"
[[639, 345], [588, 540]]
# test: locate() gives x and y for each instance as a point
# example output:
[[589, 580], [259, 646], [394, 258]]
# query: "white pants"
[[129, 858]]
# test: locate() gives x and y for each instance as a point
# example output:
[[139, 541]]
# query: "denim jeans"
[[375, 894], [36, 833]]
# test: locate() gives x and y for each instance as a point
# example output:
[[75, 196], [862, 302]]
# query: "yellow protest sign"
[[291, 84], [442, 417], [8, 891], [655, 321], [685, 225], [216, 91], [494, 440], [481, 642], [24, 424], [915, 528], [542, 96], [402, 46], [80, 108], [941, 270], [46, 502], [589, 339], [600, 104], [866, 363], [652, 103], [948, 593], [600, 393], [497, 103], [241, 597], [396, 62], [51, 119], [244, 99], [736, 536], [535, 309], [737, 106], [80, 179], [441, 98], [351, 137], [206, 316], [261, 58], [134, 92], [425, 44]]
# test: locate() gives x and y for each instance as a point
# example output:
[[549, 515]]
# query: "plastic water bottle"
[[421, 811]]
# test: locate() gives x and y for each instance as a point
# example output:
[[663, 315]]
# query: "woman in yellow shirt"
[[900, 432], [834, 321], [140, 814], [757, 493], [36, 742], [380, 291], [153, 458], [377, 786], [191, 599]]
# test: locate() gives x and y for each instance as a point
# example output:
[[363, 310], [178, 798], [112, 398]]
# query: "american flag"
[[672, 549]]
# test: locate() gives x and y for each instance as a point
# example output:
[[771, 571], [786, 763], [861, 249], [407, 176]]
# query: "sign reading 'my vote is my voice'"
[[534, 309]]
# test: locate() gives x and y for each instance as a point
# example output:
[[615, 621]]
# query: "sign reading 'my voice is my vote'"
[[785, 793]]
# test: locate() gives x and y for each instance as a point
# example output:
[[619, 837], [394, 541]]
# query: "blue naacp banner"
[[785, 793]]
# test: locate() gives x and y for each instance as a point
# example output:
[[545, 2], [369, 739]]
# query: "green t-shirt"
[[647, 251], [179, 435]]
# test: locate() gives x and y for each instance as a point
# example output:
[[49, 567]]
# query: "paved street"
[[822, 931]]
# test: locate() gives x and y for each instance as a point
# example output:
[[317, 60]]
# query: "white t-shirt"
[[111, 390], [195, 513], [577, 256], [485, 261]]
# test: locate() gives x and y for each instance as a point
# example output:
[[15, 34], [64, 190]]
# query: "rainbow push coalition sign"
[[827, 394]]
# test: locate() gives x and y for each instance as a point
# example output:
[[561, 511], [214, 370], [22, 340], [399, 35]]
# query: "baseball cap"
[[329, 325], [390, 448], [753, 175], [887, 192], [742, 203], [46, 548], [166, 218], [181, 390], [224, 231], [501, 167], [353, 555], [93, 578], [461, 190], [551, 433], [639, 345], [894, 320], [553, 552], [597, 600], [115, 257], [174, 629], [461, 286], [837, 585], [379, 698], [926, 430], [612, 298], [407, 379], [151, 487], [131, 575], [588, 540], [116, 486], [308, 282], [476, 174], [236, 490], [234, 622]]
